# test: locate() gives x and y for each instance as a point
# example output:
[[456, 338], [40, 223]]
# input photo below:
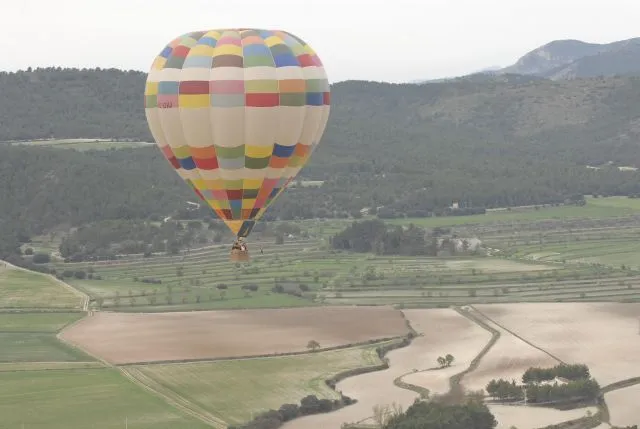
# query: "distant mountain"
[[618, 61], [569, 59]]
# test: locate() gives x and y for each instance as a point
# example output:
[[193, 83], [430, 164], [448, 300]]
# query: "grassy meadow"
[[83, 398], [234, 389], [22, 289]]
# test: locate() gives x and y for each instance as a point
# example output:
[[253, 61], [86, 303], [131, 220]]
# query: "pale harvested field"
[[603, 336], [533, 418], [445, 331], [509, 358], [148, 337], [623, 406], [494, 265]]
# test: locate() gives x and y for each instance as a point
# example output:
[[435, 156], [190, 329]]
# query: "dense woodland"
[[410, 150], [377, 237]]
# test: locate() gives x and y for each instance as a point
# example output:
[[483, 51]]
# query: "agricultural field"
[[25, 289], [534, 418], [36, 347], [623, 405], [84, 398], [127, 338], [595, 208], [37, 322], [454, 334], [563, 262], [30, 338], [508, 359], [546, 255], [589, 333], [309, 275], [234, 390]]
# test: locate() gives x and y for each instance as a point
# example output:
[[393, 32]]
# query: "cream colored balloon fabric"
[[237, 113]]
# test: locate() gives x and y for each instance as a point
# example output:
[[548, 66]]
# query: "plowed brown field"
[[150, 337]]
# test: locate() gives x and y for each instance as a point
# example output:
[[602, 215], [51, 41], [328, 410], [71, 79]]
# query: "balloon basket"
[[238, 255]]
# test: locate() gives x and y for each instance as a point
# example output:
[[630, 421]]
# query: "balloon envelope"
[[237, 113]]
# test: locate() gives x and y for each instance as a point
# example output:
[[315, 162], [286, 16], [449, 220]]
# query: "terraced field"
[[315, 276]]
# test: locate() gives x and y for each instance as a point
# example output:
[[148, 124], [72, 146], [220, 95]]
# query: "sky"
[[380, 40]]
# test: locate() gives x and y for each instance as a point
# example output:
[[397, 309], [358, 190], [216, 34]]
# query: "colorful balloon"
[[237, 113]]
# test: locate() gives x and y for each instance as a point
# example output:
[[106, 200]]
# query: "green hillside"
[[484, 141]]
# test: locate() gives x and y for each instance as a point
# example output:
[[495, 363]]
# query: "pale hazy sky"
[[388, 40]]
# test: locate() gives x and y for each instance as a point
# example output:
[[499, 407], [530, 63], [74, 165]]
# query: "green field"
[[83, 398], [595, 208], [30, 337], [20, 289], [41, 366], [32, 347], [36, 322], [237, 389]]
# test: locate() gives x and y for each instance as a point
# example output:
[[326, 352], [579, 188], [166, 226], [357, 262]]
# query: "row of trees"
[[574, 390], [505, 390], [567, 371], [104, 240], [309, 405], [536, 389]]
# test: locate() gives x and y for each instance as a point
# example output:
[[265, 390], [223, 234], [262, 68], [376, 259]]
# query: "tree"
[[41, 258], [313, 345], [222, 288], [441, 361], [449, 359]]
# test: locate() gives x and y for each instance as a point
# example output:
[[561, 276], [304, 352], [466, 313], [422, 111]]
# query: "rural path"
[[501, 326], [171, 397]]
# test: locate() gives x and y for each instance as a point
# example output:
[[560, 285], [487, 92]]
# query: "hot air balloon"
[[237, 113]]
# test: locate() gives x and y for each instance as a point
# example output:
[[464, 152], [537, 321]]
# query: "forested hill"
[[485, 141]]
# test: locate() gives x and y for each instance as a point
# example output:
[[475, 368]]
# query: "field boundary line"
[[171, 397], [125, 373], [374, 342], [517, 336], [619, 385]]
